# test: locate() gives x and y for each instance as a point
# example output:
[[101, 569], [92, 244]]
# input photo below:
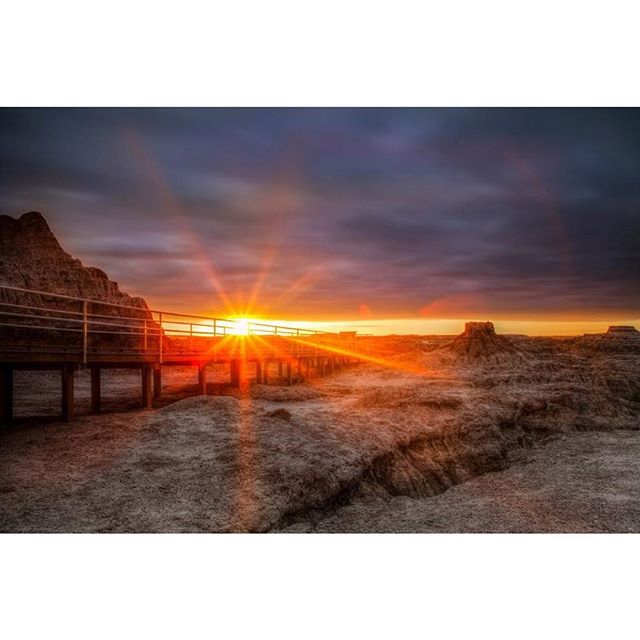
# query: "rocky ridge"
[[31, 257]]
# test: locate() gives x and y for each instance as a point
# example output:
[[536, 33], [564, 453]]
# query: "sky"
[[388, 220]]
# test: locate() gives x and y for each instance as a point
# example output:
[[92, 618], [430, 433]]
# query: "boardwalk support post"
[[235, 373], [202, 380], [243, 375], [6, 395], [67, 372], [157, 382], [147, 397], [96, 398]]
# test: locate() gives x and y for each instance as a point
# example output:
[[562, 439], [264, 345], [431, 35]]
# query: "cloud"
[[532, 212]]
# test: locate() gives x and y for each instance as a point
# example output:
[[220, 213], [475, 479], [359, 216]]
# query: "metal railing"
[[34, 319]]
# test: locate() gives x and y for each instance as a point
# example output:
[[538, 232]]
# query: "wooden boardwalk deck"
[[47, 331]]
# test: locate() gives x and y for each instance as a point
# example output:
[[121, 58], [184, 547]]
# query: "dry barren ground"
[[542, 437], [579, 482]]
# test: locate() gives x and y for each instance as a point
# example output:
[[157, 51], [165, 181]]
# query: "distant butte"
[[623, 329], [479, 341]]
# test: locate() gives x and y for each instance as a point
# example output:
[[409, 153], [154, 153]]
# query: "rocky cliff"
[[31, 257]]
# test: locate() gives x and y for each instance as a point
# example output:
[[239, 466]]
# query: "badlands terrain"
[[479, 432], [475, 433]]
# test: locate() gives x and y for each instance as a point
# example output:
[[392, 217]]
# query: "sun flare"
[[241, 326]]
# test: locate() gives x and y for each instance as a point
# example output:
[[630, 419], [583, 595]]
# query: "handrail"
[[48, 309], [294, 330], [111, 304], [172, 314], [146, 330]]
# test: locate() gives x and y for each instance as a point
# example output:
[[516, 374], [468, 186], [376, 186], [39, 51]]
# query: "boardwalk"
[[47, 331]]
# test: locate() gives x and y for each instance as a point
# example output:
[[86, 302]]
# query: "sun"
[[241, 326]]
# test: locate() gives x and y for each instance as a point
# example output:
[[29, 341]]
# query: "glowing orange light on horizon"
[[241, 326]]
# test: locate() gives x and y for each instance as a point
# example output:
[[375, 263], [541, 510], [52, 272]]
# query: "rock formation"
[[623, 330], [477, 344], [31, 257], [617, 340], [479, 340]]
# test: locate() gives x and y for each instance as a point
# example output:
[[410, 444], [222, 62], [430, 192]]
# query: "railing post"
[[191, 336], [215, 328], [85, 331], [160, 336], [146, 332]]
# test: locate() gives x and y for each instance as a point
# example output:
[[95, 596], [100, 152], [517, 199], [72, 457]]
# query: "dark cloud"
[[528, 212]]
